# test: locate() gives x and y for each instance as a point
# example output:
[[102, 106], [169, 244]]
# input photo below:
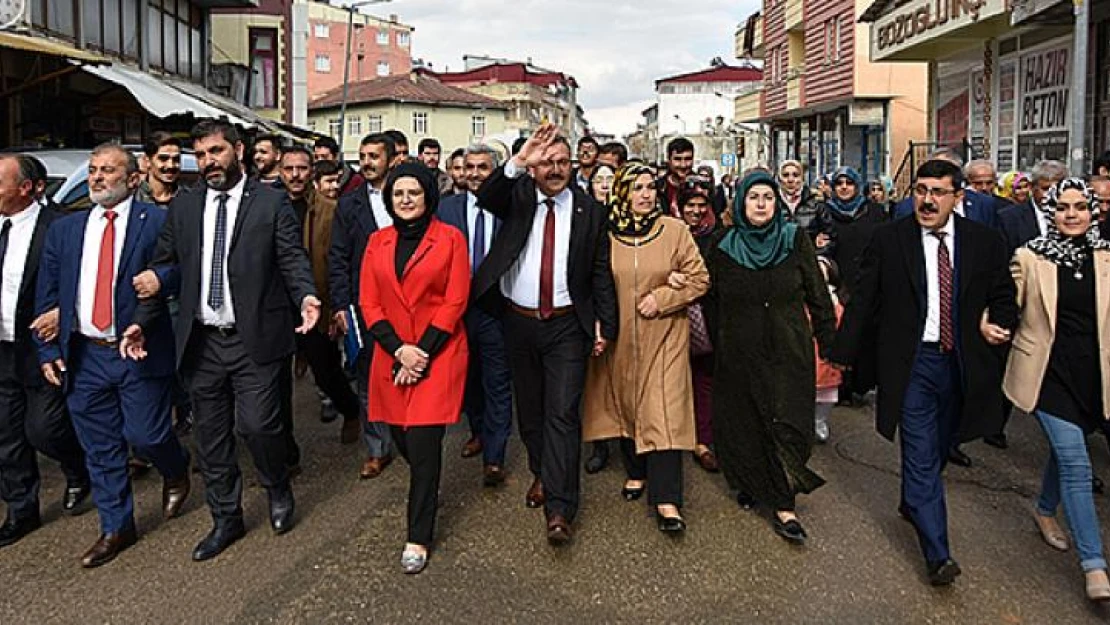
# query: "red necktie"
[[547, 263], [105, 274], [944, 279]]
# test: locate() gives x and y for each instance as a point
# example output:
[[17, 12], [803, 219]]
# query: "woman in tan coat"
[[1059, 365], [639, 390]]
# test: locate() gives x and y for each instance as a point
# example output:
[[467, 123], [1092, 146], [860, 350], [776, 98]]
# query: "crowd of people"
[[602, 300]]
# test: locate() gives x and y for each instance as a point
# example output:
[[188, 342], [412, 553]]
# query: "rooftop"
[[412, 87], [721, 73]]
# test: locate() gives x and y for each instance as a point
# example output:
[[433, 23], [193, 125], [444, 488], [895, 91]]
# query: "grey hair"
[[979, 163], [947, 154], [1049, 170], [484, 150], [132, 166]]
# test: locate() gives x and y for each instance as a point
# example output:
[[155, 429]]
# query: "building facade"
[[416, 104], [824, 102]]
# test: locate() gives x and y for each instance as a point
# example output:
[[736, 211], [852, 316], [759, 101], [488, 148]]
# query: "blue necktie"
[[478, 248], [219, 249]]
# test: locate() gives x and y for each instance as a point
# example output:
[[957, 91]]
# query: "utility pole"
[[351, 10], [1077, 134]]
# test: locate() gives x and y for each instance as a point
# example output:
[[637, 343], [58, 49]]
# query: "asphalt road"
[[492, 564]]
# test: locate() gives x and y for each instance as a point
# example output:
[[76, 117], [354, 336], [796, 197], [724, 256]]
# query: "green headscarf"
[[752, 247]]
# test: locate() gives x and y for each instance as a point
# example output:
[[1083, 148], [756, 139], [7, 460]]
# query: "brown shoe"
[[107, 547], [373, 467], [472, 448], [707, 460], [493, 475], [558, 531], [174, 494], [535, 497], [352, 429]]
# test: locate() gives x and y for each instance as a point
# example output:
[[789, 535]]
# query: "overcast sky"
[[614, 49]]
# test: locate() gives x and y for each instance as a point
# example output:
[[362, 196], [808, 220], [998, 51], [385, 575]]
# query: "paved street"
[[341, 563]]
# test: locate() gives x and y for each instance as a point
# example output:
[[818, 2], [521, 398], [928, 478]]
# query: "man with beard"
[[548, 274], [33, 416], [430, 151], [87, 265], [266, 156], [327, 149], [456, 168], [163, 151], [680, 162], [587, 161], [232, 254], [359, 215], [488, 399]]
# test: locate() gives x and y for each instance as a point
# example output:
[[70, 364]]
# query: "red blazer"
[[433, 291]]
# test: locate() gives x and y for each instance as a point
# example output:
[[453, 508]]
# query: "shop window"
[[131, 34], [154, 34], [420, 123], [91, 21], [55, 16], [264, 77], [169, 38]]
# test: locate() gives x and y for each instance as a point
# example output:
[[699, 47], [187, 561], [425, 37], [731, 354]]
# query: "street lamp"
[[351, 10]]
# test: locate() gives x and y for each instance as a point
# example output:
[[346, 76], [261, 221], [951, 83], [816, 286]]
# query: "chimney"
[[413, 76], [393, 18]]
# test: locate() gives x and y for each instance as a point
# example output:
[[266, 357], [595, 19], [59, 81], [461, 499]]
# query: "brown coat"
[[640, 388], [317, 240], [1035, 278]]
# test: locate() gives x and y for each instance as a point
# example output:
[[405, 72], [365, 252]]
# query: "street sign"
[[728, 159]]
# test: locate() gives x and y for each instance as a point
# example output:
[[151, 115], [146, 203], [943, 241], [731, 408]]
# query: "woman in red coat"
[[414, 284]]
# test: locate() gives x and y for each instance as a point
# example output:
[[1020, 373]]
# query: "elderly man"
[[1022, 223]]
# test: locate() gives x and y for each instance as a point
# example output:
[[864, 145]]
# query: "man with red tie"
[[87, 267]]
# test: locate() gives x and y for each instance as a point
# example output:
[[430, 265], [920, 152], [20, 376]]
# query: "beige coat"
[[640, 388], [1036, 296]]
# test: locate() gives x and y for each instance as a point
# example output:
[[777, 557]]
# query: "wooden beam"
[[65, 71]]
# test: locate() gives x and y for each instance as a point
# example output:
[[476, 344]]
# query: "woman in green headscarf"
[[765, 279], [640, 390]]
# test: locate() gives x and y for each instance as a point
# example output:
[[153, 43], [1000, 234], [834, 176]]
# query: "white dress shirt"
[[1042, 220], [521, 283], [377, 206], [932, 278], [473, 212], [225, 316], [15, 260], [90, 262]]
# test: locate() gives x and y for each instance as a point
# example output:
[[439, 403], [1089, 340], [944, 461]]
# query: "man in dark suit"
[[32, 414], [925, 283], [88, 262], [488, 400], [548, 273], [1022, 223], [360, 214], [237, 247]]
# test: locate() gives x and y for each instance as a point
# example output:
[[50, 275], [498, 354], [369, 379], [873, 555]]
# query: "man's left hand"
[[310, 314]]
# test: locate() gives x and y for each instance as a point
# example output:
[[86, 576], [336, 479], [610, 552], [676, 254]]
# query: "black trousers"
[[323, 358], [32, 417], [285, 390], [422, 448], [232, 395], [661, 469], [548, 362]]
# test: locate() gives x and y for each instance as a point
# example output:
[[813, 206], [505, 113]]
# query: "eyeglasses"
[[936, 192], [696, 182]]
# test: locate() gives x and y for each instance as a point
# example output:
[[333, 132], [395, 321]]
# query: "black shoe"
[[599, 459], [745, 501], [904, 512], [943, 573], [1097, 486], [74, 497], [328, 413], [281, 511], [957, 457], [14, 529], [220, 538], [632, 494], [792, 531], [670, 524], [997, 440]]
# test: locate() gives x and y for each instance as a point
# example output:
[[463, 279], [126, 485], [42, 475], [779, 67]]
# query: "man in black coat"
[[925, 283], [547, 273], [236, 245], [1022, 223]]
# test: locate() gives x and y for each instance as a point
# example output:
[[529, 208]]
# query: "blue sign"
[[728, 159]]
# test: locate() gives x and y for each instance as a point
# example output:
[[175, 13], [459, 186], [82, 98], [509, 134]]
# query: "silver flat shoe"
[[1050, 531], [1098, 586], [413, 562]]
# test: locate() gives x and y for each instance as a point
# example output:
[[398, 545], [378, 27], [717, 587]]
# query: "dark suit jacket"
[[353, 225], [60, 275], [267, 268], [978, 207], [890, 304], [26, 349], [452, 211], [1019, 225], [589, 276]]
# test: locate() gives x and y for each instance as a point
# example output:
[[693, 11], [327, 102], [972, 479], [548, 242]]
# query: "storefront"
[[853, 136]]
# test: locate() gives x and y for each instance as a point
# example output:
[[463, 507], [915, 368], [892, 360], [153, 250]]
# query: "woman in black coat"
[[847, 220]]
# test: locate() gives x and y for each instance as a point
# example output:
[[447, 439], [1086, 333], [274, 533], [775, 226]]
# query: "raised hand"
[[531, 154]]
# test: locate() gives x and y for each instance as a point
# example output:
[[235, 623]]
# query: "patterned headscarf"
[[622, 219], [1010, 183], [1054, 246]]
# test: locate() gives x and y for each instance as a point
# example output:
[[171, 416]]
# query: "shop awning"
[[52, 47]]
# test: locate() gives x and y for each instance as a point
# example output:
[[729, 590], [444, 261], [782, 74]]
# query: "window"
[[321, 30], [312, 125], [478, 126], [263, 79], [354, 126], [403, 39], [420, 123], [323, 63], [383, 37], [334, 128], [383, 68], [836, 39], [375, 123]]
